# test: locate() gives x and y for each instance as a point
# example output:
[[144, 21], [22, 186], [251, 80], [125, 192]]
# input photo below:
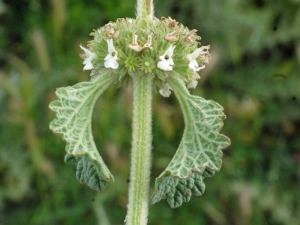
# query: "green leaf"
[[200, 150], [74, 109]]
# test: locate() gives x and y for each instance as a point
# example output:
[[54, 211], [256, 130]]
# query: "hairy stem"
[[145, 8], [141, 152]]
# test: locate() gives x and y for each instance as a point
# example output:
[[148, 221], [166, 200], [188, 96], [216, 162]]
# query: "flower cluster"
[[156, 48]]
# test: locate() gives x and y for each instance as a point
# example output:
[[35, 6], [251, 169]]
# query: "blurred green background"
[[254, 74]]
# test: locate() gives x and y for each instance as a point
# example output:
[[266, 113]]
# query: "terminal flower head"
[[88, 58], [165, 49], [166, 62], [110, 60]]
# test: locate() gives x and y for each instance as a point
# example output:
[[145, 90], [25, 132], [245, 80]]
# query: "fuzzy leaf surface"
[[200, 150], [74, 108]]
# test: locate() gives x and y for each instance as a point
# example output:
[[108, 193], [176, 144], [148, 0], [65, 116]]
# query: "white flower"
[[88, 58], [155, 20], [166, 90], [111, 58], [194, 82], [167, 62], [129, 20], [193, 62]]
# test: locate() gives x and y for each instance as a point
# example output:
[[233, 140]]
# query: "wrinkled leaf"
[[74, 109], [200, 150]]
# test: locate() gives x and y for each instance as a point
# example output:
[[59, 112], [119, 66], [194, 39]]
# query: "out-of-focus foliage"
[[254, 74]]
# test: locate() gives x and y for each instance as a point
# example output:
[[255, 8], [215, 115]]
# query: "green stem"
[[141, 152], [144, 8]]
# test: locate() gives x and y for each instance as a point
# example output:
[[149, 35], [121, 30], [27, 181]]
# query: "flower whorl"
[[141, 47]]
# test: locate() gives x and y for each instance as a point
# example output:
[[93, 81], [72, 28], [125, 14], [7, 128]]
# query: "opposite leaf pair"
[[199, 153], [198, 156]]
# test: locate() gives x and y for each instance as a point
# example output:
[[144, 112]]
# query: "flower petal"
[[111, 47], [86, 51], [170, 50], [192, 84], [164, 65], [110, 61], [166, 62], [89, 57], [165, 91], [111, 64], [196, 53], [88, 66], [170, 61]]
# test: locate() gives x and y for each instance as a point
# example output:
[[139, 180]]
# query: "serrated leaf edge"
[[98, 186], [220, 118]]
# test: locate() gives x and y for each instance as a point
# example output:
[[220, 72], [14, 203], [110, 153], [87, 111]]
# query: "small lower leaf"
[[200, 151], [74, 109], [177, 190], [89, 171]]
